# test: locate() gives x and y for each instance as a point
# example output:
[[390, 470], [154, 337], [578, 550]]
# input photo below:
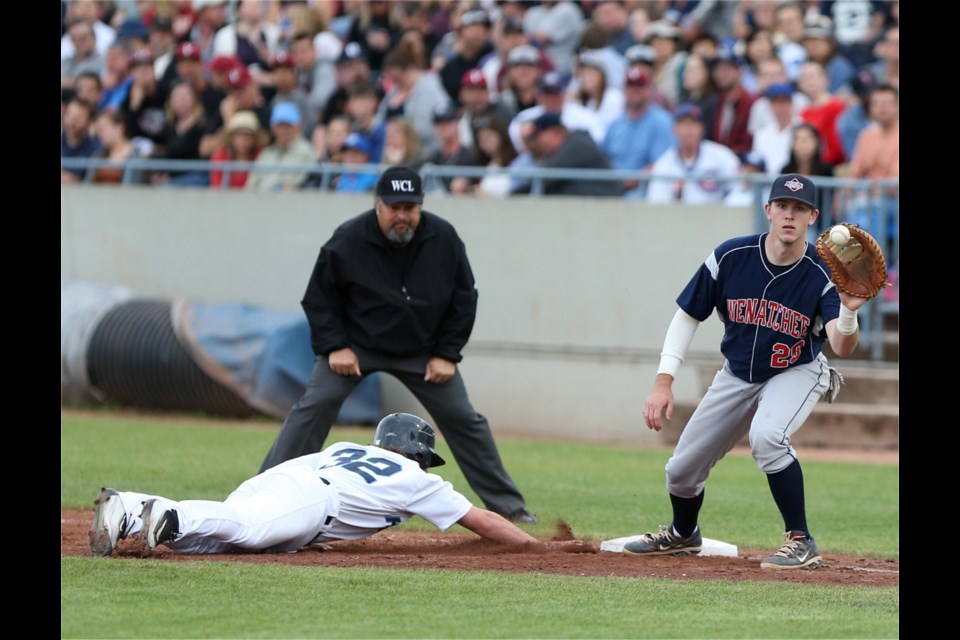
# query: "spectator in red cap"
[[477, 102], [243, 94], [283, 78], [223, 65], [145, 106], [642, 134], [218, 68], [189, 69]]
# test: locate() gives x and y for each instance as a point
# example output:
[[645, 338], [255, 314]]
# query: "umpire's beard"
[[398, 239]]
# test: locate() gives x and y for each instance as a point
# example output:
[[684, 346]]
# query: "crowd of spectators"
[[699, 88]]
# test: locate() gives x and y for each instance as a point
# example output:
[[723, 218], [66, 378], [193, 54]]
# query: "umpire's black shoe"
[[521, 516]]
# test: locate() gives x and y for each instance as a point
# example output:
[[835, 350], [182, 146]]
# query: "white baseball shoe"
[[160, 524], [110, 523]]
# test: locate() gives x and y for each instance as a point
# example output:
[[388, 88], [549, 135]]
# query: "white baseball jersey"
[[379, 489], [714, 160], [346, 492]]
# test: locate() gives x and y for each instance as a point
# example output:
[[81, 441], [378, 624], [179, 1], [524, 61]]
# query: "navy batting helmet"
[[409, 436]]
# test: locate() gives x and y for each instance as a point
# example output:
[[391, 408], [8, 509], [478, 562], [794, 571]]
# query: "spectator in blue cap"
[[361, 176], [289, 148]]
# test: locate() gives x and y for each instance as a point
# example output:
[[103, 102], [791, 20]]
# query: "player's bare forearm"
[[659, 403], [845, 344], [493, 526]]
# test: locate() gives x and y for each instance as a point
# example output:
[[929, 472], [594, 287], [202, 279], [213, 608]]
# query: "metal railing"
[[874, 204]]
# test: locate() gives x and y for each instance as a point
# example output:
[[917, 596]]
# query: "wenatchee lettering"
[[768, 314]]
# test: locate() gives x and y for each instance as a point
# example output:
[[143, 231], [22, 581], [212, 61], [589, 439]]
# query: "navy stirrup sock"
[[685, 513], [787, 489]]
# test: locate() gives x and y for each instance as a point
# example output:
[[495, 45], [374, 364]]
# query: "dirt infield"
[[561, 554]]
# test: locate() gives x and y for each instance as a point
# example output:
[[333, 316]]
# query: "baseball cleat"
[[664, 543], [160, 524], [797, 552], [110, 523]]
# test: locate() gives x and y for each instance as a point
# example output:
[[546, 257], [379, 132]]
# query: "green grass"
[[601, 491]]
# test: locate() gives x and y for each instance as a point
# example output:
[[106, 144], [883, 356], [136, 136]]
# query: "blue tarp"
[[262, 354]]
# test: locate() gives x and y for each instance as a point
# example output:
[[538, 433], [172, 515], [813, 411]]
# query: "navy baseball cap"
[[793, 186], [552, 82], [445, 112], [688, 110], [400, 184], [352, 51], [547, 120]]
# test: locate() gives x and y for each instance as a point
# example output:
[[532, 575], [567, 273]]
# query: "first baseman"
[[345, 492], [778, 305]]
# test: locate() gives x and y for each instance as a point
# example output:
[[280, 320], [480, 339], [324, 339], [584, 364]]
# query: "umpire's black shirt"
[[416, 300]]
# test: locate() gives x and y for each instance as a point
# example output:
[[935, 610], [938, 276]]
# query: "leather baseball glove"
[[857, 265]]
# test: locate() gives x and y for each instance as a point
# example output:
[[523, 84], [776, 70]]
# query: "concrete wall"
[[575, 294]]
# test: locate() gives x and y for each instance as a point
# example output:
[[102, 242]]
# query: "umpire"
[[393, 291]]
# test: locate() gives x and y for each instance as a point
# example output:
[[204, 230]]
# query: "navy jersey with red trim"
[[773, 316]]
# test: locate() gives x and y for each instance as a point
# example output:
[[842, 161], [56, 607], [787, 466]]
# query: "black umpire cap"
[[400, 184]]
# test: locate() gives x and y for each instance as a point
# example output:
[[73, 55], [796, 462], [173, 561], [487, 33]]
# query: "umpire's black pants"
[[465, 431]]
